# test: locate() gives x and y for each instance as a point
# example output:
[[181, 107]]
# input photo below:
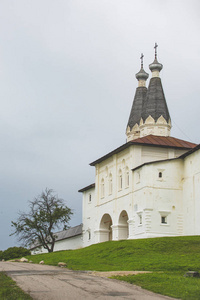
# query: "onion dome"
[[142, 75], [155, 66]]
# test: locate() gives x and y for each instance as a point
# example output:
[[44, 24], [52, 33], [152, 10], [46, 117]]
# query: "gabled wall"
[[155, 197]]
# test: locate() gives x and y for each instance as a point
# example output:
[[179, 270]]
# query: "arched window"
[[160, 174], [102, 188], [120, 183], [127, 177], [110, 184]]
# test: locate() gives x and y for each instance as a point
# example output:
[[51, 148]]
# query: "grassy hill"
[[156, 254], [169, 258]]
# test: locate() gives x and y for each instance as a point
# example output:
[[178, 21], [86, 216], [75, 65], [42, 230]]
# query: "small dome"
[[155, 66], [142, 75]]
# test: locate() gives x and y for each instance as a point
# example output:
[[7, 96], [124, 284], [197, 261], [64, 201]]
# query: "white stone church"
[[148, 187]]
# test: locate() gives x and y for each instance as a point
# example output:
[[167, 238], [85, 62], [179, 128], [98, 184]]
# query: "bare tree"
[[47, 212]]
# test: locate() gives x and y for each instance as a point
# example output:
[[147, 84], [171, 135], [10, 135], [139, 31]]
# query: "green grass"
[[157, 254], [172, 284], [173, 256], [9, 290]]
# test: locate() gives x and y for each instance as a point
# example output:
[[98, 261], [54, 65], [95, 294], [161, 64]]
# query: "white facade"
[[143, 192], [191, 194]]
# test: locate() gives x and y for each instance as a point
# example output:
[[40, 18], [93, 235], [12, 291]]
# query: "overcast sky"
[[67, 81]]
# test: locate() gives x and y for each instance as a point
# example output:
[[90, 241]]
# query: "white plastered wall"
[[89, 213], [72, 243], [154, 197], [146, 197], [191, 194]]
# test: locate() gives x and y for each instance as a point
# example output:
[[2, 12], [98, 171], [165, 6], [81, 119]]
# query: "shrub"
[[14, 252]]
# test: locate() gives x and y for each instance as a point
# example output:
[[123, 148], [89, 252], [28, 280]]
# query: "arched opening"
[[123, 226], [106, 228]]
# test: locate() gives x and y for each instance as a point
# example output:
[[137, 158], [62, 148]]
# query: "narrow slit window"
[[140, 219], [120, 180], [164, 220], [102, 188], [160, 174], [110, 184], [127, 177], [90, 197]]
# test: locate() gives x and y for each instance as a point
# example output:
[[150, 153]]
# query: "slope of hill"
[[168, 258], [156, 254]]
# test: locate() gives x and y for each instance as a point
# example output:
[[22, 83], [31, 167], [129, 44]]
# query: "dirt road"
[[53, 283]]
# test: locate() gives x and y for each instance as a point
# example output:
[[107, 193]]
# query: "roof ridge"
[[154, 137], [67, 229], [149, 140]]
